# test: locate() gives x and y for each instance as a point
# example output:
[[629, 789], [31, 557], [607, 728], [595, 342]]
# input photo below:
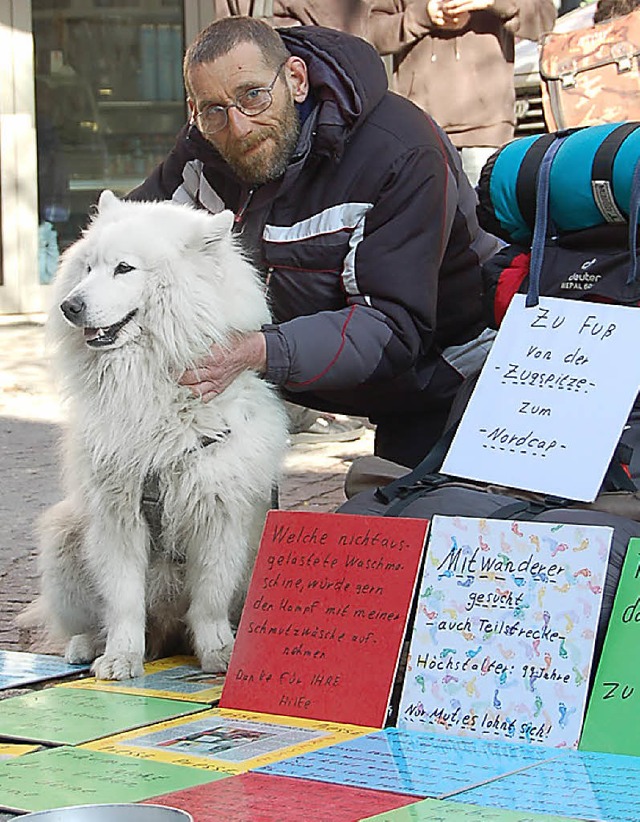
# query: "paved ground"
[[29, 429]]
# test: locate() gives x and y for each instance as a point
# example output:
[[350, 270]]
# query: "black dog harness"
[[151, 500]]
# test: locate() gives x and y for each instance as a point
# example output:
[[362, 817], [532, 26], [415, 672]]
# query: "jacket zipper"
[[239, 215]]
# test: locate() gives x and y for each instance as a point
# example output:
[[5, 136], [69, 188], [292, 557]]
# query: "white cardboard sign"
[[552, 399]]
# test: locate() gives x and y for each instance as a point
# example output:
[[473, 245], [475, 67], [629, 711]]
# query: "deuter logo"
[[581, 280]]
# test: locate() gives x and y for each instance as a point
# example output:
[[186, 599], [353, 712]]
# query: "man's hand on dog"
[[219, 369]]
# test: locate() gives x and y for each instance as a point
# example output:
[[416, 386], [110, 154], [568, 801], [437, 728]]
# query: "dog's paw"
[[120, 666], [216, 661], [213, 643], [80, 648]]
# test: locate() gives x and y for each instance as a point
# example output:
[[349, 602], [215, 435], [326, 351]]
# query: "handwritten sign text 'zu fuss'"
[[550, 403]]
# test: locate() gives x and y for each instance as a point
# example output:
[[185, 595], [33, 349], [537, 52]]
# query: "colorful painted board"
[[412, 763], [263, 798], [58, 777], [437, 810], [228, 741], [178, 677], [503, 637], [325, 617], [70, 716], [18, 668], [590, 786], [547, 386], [611, 723]]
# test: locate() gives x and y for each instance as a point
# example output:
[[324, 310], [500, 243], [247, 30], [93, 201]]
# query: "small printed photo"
[[214, 740]]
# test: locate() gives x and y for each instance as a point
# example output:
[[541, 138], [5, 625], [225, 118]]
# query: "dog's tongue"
[[105, 336]]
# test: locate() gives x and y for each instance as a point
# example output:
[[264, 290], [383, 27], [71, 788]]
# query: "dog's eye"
[[88, 269], [122, 268]]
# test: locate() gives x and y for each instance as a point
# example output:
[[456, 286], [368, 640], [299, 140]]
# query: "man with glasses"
[[353, 204]]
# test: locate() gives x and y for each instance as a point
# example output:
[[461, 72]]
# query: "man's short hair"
[[219, 37]]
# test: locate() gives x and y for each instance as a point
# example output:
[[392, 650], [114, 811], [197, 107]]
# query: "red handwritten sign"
[[261, 796], [325, 617]]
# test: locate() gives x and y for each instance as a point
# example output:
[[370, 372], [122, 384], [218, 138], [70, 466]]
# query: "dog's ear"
[[107, 201], [219, 226]]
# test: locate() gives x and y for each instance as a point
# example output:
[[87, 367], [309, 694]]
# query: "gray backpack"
[[377, 487]]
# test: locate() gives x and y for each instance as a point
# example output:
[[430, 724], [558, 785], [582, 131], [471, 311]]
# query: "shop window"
[[109, 102]]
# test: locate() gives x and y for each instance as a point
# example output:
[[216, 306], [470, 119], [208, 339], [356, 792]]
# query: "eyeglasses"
[[250, 103]]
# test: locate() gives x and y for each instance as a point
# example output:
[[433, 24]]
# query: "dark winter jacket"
[[369, 242]]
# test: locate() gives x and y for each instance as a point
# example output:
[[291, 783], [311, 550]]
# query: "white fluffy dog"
[[144, 293]]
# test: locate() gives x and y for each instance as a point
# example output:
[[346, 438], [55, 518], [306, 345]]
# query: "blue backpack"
[[590, 180], [567, 204]]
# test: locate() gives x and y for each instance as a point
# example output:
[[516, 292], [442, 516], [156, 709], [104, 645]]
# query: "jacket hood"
[[347, 78]]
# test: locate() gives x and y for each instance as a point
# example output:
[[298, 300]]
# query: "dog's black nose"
[[73, 309]]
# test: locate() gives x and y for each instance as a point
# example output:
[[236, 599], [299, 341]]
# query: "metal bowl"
[[110, 813]]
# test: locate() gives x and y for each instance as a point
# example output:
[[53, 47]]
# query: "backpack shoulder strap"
[[634, 209], [542, 213], [426, 472]]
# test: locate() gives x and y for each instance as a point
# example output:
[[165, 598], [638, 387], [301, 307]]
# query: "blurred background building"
[[91, 97]]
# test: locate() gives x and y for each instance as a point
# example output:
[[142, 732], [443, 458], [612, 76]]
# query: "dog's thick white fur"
[[145, 292]]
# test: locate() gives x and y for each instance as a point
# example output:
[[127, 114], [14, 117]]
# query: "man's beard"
[[276, 143]]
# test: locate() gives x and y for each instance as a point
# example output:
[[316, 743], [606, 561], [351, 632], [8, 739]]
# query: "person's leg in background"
[[473, 159], [406, 440], [309, 426]]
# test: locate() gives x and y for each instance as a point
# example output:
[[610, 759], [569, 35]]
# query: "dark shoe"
[[326, 428]]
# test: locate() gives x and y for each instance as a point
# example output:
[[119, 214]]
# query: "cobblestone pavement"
[[29, 431]]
